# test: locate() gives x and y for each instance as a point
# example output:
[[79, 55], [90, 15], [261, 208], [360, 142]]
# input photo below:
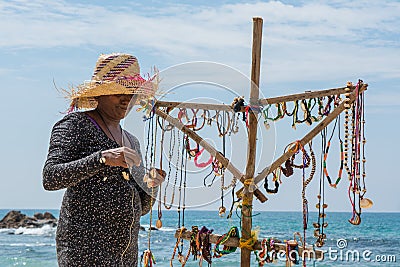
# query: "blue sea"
[[377, 239]]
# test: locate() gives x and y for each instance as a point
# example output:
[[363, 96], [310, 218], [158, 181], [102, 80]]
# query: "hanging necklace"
[[321, 224], [148, 258], [170, 154], [168, 206], [159, 213], [108, 129], [222, 209]]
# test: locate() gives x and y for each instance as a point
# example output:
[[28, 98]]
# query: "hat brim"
[[85, 94]]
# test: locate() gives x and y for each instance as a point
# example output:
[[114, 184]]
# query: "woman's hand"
[[154, 177], [122, 157]]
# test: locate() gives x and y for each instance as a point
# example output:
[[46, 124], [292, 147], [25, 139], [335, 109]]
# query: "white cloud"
[[305, 41]]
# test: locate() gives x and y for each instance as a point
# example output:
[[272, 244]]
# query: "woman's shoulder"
[[72, 119]]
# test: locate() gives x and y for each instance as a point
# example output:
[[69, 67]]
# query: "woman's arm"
[[63, 167]]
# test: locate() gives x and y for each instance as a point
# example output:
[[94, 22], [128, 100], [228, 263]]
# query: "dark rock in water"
[[144, 229], [49, 216], [16, 219], [38, 216]]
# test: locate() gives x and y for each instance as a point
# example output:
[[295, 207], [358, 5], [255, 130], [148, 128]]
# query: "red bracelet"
[[202, 164]]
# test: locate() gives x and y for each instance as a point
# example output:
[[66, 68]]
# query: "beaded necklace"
[[181, 164], [224, 129], [306, 106], [320, 225], [234, 123], [181, 200], [203, 116], [357, 191], [276, 179], [192, 152], [159, 211], [173, 133], [105, 124], [205, 245], [222, 209], [148, 258], [306, 182], [233, 232], [337, 123]]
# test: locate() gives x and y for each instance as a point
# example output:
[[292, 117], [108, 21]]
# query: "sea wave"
[[46, 230], [37, 244]]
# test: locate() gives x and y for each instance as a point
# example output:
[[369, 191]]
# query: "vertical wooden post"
[[252, 139]]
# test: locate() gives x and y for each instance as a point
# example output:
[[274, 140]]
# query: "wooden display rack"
[[245, 193]]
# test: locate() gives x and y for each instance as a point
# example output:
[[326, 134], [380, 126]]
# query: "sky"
[[307, 45]]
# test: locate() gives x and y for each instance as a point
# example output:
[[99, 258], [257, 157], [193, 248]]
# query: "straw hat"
[[114, 74]]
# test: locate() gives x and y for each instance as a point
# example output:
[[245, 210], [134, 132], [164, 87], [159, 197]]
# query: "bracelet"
[[202, 164]]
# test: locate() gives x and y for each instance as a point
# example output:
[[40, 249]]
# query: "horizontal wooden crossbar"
[[305, 95], [193, 105], [234, 242], [262, 102]]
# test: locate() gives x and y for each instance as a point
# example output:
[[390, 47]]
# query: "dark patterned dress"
[[100, 213]]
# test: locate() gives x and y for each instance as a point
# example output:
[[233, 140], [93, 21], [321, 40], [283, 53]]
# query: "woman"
[[100, 165]]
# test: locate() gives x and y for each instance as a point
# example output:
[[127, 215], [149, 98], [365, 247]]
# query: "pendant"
[[366, 203], [221, 211], [356, 220], [158, 223]]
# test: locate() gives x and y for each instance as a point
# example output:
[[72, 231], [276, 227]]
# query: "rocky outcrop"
[[16, 219]]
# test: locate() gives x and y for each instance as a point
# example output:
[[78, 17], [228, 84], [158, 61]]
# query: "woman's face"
[[115, 106]]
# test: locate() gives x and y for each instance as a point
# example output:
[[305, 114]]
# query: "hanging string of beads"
[[204, 245], [295, 147], [202, 164], [346, 128], [337, 123], [233, 232], [193, 246], [306, 106], [159, 210], [276, 179], [181, 167], [320, 225], [357, 190], [306, 182], [189, 118], [148, 258], [192, 152], [181, 200], [223, 128], [234, 123], [178, 241], [365, 203], [170, 155], [222, 209]]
